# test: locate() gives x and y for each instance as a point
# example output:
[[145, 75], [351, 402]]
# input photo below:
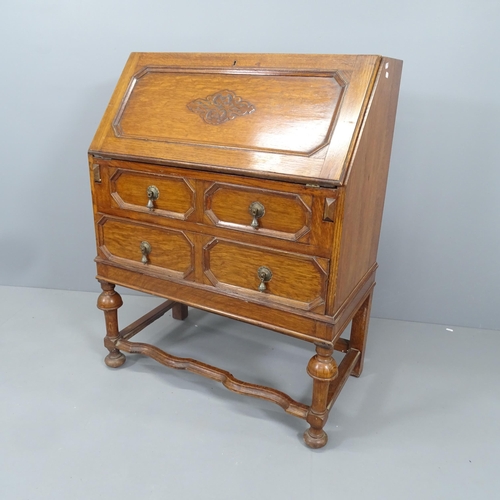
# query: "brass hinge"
[[312, 185]]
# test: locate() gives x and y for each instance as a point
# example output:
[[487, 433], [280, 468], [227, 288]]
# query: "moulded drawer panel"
[[171, 251], [129, 189], [297, 280], [284, 215]]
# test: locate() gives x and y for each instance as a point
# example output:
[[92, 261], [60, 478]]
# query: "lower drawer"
[[146, 248], [265, 275], [254, 273]]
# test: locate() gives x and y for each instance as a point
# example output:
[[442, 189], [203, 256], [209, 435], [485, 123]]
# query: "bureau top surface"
[[291, 117]]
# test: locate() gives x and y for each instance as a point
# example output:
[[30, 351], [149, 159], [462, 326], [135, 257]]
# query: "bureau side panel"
[[366, 184]]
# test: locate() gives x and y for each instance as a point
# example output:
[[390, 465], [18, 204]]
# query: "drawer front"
[[168, 196], [271, 213], [254, 210], [268, 276], [146, 248]]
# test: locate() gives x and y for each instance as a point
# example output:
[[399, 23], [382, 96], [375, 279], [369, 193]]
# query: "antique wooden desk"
[[251, 186]]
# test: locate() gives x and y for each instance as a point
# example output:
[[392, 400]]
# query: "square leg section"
[[359, 332], [179, 311]]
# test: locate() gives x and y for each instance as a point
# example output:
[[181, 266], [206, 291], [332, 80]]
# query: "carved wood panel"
[[159, 104], [220, 107], [297, 280], [176, 196], [285, 215], [170, 251]]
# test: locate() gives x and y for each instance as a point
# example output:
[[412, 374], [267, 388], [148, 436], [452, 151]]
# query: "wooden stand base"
[[328, 379]]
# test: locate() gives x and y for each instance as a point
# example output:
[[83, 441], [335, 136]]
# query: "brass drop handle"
[[257, 211], [153, 194], [145, 250], [265, 275]]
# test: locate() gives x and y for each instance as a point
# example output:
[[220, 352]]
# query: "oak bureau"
[[251, 186]]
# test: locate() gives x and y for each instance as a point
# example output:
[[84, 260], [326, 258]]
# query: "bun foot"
[[315, 439], [114, 359]]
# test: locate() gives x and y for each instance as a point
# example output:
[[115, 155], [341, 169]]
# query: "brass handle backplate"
[[153, 194], [257, 211], [145, 250], [265, 275]]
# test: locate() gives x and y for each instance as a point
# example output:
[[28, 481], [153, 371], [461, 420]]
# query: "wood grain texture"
[[323, 370], [139, 325], [157, 108], [308, 111], [289, 208], [329, 210], [176, 196], [227, 379], [303, 139], [220, 107], [295, 277], [109, 301], [345, 369], [359, 332], [121, 240], [180, 311], [293, 322], [366, 182], [346, 313], [286, 215]]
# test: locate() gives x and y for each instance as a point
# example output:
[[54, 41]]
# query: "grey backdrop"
[[440, 239]]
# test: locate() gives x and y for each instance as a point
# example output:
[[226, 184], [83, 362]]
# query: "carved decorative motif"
[[220, 107]]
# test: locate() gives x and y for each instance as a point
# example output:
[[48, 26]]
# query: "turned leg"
[[323, 369], [359, 332], [109, 301], [180, 311]]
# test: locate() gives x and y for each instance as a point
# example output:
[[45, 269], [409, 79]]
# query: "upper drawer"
[[167, 195], [260, 211], [247, 209]]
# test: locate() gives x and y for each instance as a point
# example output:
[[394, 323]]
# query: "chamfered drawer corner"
[[146, 248], [264, 275], [259, 211]]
